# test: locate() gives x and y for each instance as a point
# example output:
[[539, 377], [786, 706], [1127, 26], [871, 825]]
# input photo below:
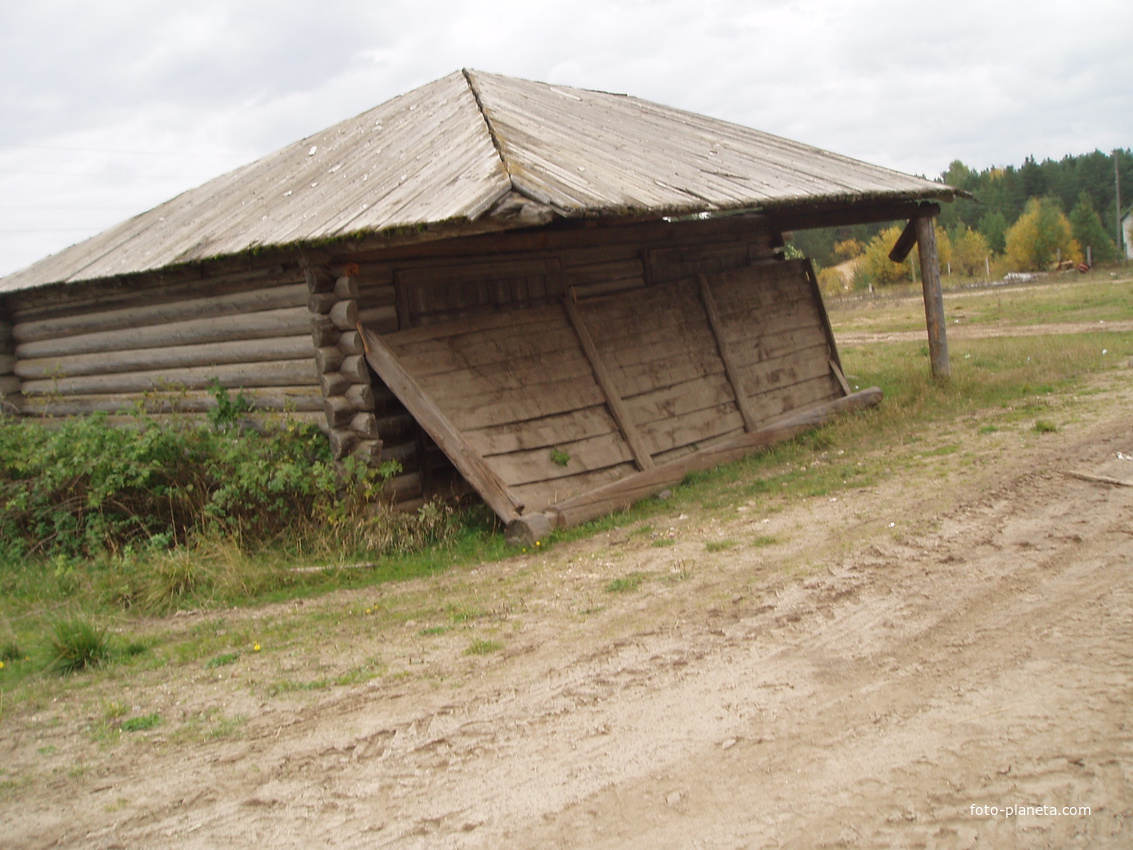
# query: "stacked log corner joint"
[[344, 376]]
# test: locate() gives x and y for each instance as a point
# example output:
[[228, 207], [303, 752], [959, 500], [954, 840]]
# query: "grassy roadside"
[[281, 633]]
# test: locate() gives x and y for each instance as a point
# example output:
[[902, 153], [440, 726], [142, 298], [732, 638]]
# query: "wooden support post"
[[730, 368], [606, 384], [933, 299], [437, 425]]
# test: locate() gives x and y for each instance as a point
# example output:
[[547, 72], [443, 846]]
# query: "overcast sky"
[[109, 107]]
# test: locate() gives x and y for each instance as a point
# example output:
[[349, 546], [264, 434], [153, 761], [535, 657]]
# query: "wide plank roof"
[[464, 149]]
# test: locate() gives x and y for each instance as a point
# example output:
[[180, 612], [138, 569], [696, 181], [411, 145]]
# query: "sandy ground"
[[901, 666]]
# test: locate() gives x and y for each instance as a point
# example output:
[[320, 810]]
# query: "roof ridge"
[[488, 124]]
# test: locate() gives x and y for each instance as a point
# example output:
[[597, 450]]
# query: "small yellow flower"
[[255, 647], [538, 542], [1, 665]]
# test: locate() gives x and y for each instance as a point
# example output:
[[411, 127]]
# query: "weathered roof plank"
[[450, 150]]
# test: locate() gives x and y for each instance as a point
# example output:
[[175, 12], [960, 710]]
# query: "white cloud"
[[988, 83]]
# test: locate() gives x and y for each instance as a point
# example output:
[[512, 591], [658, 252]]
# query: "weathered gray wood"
[[321, 302], [360, 396], [842, 382], [339, 411], [730, 368], [9, 384], [933, 300], [353, 366], [86, 321], [625, 492], [344, 315], [438, 426], [342, 442], [300, 399], [507, 437], [346, 288], [319, 278], [323, 331], [7, 364], [328, 358], [276, 373], [365, 425], [905, 242], [585, 455], [368, 451], [350, 343], [334, 383], [526, 531], [621, 413], [287, 321], [176, 356], [379, 319]]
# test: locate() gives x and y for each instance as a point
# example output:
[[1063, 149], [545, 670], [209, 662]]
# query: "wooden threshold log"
[[621, 494], [438, 426]]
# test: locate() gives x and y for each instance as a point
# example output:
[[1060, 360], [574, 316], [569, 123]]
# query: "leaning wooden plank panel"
[[630, 489], [438, 426]]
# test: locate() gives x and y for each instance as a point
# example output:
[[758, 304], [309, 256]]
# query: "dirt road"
[[881, 670]]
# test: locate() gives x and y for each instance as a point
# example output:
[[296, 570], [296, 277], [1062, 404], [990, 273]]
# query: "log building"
[[561, 298]]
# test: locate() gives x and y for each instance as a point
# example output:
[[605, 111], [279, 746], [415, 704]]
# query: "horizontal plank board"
[[676, 367], [541, 344], [542, 433], [695, 427], [539, 495], [516, 405], [682, 398], [496, 319], [782, 371], [585, 455], [752, 352], [787, 397], [527, 374]]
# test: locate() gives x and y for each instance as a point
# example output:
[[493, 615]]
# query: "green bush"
[[85, 487]]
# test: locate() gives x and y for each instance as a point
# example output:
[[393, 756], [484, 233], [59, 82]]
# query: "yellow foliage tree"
[[1041, 237], [970, 254]]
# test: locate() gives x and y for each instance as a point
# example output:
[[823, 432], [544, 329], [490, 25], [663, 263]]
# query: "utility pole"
[[1117, 193]]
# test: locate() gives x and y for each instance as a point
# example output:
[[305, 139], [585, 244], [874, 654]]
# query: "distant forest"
[[1077, 186]]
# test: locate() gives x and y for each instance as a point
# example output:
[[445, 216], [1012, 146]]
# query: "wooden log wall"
[[157, 347], [462, 279], [11, 399]]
